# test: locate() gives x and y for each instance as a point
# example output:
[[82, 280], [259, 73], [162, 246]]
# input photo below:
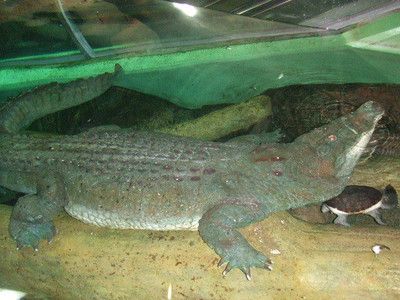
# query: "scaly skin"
[[126, 179], [297, 111], [21, 111]]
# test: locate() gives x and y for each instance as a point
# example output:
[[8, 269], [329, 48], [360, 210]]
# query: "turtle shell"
[[355, 199]]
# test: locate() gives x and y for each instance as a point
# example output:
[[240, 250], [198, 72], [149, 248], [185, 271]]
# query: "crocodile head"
[[336, 147]]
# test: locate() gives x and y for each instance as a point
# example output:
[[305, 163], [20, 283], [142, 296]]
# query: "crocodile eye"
[[332, 138]]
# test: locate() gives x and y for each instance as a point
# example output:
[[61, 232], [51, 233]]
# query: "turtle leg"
[[217, 228], [341, 220], [325, 208], [376, 214]]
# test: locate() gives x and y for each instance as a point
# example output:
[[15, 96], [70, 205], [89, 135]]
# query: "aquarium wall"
[[193, 56]]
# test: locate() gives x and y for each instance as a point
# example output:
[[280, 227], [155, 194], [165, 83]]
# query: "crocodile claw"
[[221, 262], [247, 273], [227, 269], [245, 269], [29, 234], [268, 265]]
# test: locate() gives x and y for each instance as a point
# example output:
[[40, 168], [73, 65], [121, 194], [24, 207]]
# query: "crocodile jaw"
[[362, 123], [340, 143], [354, 154]]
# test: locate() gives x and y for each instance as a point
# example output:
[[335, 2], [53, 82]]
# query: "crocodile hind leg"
[[19, 112], [32, 216], [217, 228]]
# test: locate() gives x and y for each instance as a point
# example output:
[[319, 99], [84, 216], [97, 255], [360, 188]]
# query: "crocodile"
[[121, 178], [298, 110]]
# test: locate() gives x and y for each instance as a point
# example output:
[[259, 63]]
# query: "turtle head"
[[336, 147], [389, 198]]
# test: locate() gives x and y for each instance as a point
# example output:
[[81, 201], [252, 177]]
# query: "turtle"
[[361, 199]]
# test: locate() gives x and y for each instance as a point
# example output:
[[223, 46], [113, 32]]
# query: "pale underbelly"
[[109, 219]]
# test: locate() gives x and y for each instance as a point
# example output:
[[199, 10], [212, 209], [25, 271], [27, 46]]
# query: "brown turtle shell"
[[355, 199]]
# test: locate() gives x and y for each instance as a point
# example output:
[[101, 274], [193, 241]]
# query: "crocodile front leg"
[[218, 226], [32, 216]]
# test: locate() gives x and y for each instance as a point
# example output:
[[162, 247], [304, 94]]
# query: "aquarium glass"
[[63, 31], [336, 13]]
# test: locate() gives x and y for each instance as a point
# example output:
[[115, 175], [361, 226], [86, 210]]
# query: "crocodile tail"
[[389, 198], [118, 74], [19, 112]]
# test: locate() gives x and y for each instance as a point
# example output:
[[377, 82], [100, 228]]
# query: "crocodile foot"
[[29, 234], [29, 224], [244, 259]]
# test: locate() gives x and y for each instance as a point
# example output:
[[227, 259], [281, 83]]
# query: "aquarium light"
[[187, 9]]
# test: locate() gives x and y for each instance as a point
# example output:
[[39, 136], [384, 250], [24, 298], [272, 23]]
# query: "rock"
[[232, 119], [144, 112]]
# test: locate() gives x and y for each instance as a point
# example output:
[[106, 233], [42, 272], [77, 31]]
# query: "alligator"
[[121, 178]]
